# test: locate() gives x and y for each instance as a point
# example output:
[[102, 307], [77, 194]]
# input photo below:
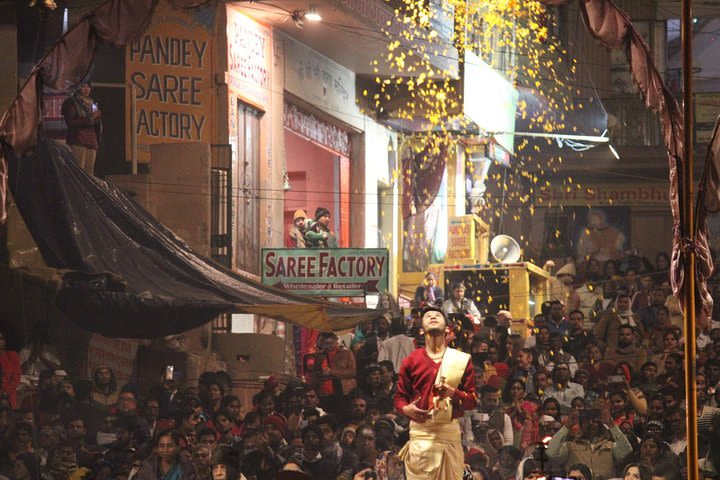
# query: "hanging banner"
[[335, 272]]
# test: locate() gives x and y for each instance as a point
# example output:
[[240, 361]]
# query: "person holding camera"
[[600, 445], [428, 293], [490, 415], [331, 370], [436, 384]]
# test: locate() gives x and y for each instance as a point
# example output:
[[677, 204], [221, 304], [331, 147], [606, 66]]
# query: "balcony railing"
[[221, 206]]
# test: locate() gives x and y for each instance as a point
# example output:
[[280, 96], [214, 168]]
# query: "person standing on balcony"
[[318, 233], [296, 237], [84, 123]]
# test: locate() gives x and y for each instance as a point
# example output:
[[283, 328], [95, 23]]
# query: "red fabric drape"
[[422, 177]]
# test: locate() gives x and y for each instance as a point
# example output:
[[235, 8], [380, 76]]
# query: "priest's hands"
[[413, 412]]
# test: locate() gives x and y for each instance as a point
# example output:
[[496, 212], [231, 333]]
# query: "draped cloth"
[[115, 22], [434, 451], [422, 178], [613, 28]]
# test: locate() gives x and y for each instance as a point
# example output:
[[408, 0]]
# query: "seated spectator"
[[626, 348], [561, 388], [428, 293], [105, 387]]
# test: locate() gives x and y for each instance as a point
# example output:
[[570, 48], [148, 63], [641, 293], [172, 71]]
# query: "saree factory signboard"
[[332, 272], [170, 71]]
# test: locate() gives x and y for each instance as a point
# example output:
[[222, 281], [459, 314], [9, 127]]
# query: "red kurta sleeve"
[[415, 380], [417, 376]]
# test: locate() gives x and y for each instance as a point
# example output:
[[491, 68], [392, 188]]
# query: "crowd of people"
[[592, 389]]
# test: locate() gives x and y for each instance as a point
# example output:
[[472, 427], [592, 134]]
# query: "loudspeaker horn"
[[505, 249]]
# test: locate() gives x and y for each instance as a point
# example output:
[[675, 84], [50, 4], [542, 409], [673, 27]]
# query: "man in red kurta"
[[436, 385]]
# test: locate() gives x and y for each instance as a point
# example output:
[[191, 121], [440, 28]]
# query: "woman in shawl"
[[165, 463]]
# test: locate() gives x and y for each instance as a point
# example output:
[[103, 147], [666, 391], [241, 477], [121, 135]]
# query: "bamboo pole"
[[688, 229]]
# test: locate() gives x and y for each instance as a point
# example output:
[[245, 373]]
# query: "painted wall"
[[314, 179]]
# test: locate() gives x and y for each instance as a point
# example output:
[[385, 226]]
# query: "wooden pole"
[[688, 229]]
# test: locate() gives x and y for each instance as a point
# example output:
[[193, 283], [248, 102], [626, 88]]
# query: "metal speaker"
[[505, 249]]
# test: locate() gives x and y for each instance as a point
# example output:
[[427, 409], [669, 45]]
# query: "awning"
[[128, 275]]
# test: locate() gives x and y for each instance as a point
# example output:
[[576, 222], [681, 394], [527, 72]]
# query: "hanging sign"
[[334, 272]]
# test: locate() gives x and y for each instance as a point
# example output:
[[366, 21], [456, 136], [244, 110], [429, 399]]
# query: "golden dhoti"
[[434, 451]]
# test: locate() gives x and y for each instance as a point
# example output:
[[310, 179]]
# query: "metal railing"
[[221, 205], [222, 323]]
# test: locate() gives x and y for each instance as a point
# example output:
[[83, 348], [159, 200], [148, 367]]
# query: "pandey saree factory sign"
[[334, 272]]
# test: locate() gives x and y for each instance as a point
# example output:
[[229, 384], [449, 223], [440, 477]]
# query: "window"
[[248, 208], [221, 205]]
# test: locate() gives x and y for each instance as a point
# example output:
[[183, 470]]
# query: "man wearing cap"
[[373, 388], [436, 385], [562, 288], [562, 389], [296, 236], [318, 233]]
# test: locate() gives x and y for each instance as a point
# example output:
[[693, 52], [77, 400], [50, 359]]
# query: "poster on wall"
[[602, 233]]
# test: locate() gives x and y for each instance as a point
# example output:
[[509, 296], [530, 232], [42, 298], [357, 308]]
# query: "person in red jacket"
[[83, 119], [10, 368], [436, 385]]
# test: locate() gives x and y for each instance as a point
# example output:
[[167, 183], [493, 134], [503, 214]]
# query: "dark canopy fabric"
[[128, 275]]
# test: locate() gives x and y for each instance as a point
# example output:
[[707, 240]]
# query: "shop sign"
[[249, 57], [631, 194], [335, 272], [170, 70], [461, 238], [321, 82], [707, 109], [117, 353], [315, 129]]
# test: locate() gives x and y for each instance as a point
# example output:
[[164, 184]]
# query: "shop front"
[[317, 159]]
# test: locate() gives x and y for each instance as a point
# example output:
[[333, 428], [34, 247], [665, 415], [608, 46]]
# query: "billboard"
[[170, 69], [331, 272]]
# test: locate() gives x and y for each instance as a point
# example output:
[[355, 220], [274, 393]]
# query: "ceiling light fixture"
[[312, 16], [614, 152]]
